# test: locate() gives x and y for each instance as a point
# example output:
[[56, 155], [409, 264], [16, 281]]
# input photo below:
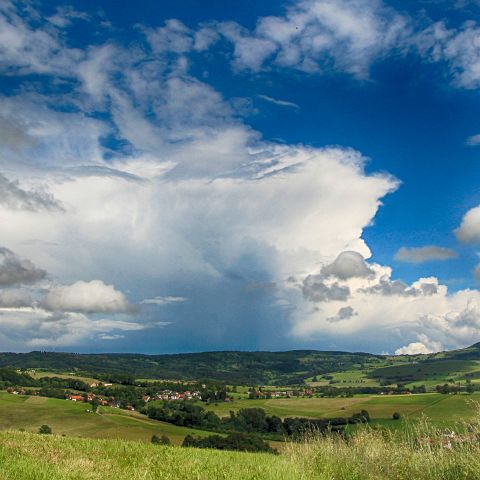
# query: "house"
[[75, 398]]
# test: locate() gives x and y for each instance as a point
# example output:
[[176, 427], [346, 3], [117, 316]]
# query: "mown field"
[[440, 409]]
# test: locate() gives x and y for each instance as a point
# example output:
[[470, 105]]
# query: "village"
[[112, 401], [267, 394]]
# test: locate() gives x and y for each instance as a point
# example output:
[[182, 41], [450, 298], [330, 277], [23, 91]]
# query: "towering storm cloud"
[[195, 185]]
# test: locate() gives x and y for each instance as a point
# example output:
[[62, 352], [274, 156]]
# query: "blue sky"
[[188, 176]]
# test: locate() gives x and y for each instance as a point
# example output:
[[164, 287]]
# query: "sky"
[[182, 176]]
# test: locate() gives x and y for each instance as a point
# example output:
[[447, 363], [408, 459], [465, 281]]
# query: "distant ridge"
[[242, 368]]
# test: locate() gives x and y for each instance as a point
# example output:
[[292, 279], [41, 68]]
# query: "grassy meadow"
[[369, 454], [72, 419], [439, 409]]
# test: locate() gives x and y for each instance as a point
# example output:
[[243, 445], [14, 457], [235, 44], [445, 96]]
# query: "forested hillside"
[[245, 368], [234, 367]]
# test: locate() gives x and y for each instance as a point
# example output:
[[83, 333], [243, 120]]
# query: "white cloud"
[[86, 297], [469, 229], [390, 312], [163, 300], [25, 48], [427, 253], [65, 16], [105, 336], [458, 48], [473, 140], [315, 35], [194, 195], [347, 265], [173, 37], [27, 328], [15, 298], [275, 101], [14, 197], [423, 346]]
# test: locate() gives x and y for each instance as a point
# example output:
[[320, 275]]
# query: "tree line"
[[247, 420]]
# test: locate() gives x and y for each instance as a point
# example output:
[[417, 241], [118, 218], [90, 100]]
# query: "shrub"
[[163, 440], [235, 441], [45, 430], [396, 416]]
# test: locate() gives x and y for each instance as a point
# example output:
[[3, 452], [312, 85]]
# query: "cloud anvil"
[[181, 184]]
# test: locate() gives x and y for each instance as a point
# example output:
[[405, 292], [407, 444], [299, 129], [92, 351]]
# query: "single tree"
[[396, 416]]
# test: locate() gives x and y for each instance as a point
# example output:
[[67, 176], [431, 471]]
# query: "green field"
[[368, 455], [43, 374], [440, 409], [71, 419]]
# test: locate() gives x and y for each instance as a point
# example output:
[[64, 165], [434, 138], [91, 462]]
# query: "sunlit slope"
[[72, 419]]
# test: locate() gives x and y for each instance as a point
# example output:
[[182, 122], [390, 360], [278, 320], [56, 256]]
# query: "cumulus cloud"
[[192, 197], [423, 346], [347, 265], [87, 297], [390, 312], [387, 287], [315, 290], [427, 253], [469, 229], [14, 270], [37, 328], [324, 286]]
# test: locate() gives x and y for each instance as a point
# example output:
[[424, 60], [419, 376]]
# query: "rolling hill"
[[263, 368]]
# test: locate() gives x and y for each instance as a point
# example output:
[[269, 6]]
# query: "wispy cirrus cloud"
[[163, 300], [280, 103]]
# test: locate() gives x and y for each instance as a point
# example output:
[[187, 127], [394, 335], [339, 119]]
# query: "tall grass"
[[419, 452]]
